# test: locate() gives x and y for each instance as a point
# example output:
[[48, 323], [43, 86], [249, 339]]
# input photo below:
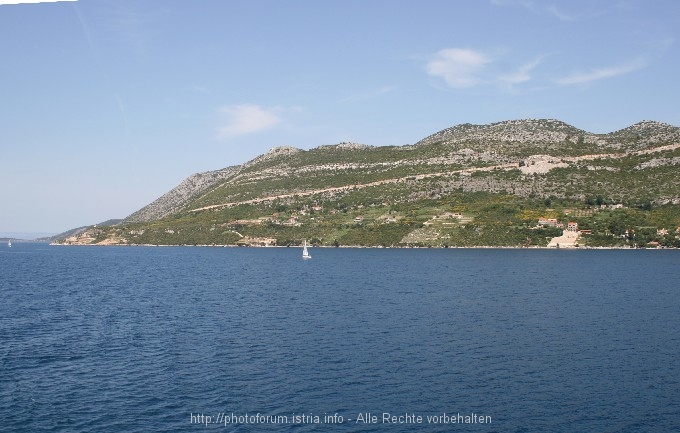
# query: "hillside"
[[462, 186], [174, 200]]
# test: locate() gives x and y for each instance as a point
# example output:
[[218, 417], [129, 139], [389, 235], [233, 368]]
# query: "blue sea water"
[[144, 339]]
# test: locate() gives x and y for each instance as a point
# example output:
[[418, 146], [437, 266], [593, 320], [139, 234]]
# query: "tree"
[[616, 227], [646, 205]]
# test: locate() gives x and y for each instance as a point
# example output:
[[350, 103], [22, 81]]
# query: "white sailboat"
[[305, 253], [9, 244]]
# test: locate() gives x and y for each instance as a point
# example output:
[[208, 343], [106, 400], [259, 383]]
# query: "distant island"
[[33, 238], [518, 183]]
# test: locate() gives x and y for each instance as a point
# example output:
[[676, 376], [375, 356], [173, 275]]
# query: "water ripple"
[[138, 339]]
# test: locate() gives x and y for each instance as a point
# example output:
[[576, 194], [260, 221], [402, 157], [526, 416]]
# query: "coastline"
[[476, 247]]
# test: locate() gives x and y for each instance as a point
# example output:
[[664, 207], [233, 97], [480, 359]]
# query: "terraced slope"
[[527, 165]]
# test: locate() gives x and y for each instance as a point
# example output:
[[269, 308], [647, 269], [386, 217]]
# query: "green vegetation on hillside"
[[458, 220], [470, 185]]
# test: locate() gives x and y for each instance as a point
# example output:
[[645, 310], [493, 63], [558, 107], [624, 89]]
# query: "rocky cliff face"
[[177, 199]]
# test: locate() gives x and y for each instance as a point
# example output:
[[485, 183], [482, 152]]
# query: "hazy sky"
[[107, 104]]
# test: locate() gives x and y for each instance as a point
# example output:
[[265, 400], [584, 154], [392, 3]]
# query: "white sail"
[[305, 253]]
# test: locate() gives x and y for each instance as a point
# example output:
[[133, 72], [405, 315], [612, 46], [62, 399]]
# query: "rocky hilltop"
[[177, 198], [503, 176], [530, 131]]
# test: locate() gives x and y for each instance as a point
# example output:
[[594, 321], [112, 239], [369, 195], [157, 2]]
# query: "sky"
[[105, 105]]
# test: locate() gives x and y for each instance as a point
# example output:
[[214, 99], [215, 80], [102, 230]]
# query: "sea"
[[197, 339]]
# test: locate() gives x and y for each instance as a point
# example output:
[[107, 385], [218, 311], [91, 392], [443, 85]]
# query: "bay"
[[136, 339]]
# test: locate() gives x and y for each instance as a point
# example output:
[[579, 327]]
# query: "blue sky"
[[107, 104]]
